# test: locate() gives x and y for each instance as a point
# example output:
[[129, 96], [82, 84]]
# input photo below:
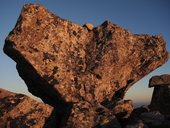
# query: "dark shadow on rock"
[[57, 119], [40, 87]]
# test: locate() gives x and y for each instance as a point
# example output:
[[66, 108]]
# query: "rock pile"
[[83, 72]]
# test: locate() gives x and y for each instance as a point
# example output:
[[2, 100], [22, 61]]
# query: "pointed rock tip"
[[106, 23], [89, 26]]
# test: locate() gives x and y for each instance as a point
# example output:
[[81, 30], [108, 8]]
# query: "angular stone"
[[89, 26], [18, 110], [159, 80], [64, 63], [161, 94], [123, 109]]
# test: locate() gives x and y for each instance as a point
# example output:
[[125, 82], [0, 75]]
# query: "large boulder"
[[20, 111], [64, 63], [161, 94]]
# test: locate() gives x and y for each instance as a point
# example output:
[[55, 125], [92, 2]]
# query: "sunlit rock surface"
[[65, 64], [20, 111]]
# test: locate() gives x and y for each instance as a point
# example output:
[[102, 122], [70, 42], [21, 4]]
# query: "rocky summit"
[[80, 70]]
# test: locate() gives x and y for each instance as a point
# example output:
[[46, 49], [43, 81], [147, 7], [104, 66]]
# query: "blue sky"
[[138, 16]]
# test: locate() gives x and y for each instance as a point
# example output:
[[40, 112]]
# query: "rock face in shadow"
[[161, 94], [65, 64], [20, 111]]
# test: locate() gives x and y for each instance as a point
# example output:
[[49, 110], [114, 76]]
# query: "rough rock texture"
[[65, 64], [20, 111], [159, 80], [161, 95], [123, 109], [92, 116], [89, 26]]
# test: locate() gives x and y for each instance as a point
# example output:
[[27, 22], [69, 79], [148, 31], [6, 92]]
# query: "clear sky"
[[138, 16]]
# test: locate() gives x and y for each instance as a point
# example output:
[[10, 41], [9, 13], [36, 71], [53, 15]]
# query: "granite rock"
[[65, 64], [91, 117], [20, 111], [123, 109], [89, 26]]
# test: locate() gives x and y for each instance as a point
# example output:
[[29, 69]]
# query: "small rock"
[[159, 80], [123, 109], [89, 26]]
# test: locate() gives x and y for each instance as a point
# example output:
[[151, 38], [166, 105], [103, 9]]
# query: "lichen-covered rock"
[[64, 63], [91, 117], [20, 111], [161, 94]]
